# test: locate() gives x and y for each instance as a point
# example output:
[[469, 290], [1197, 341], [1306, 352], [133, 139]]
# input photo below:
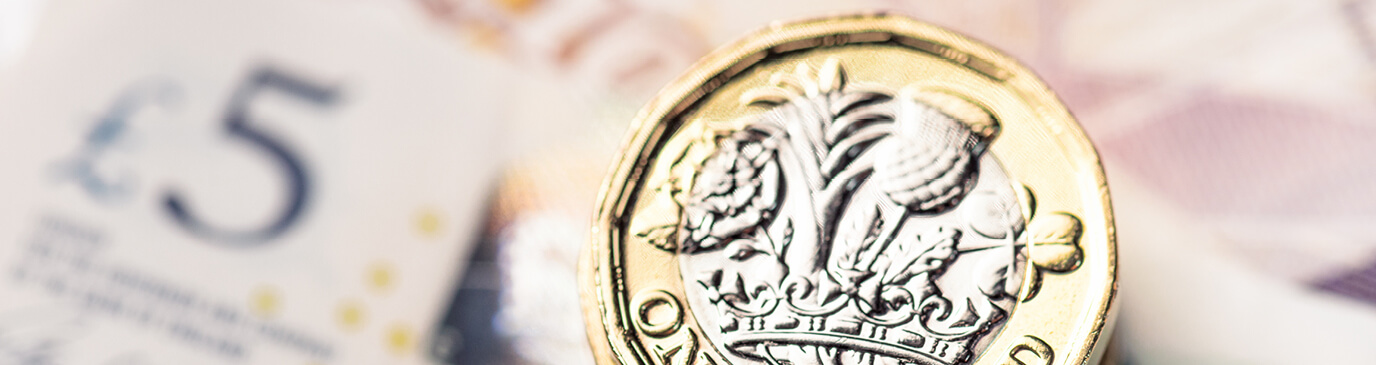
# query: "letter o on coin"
[[658, 313]]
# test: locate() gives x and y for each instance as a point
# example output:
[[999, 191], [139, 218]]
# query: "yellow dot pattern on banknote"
[[380, 277], [518, 7], [265, 301], [400, 339], [483, 36], [350, 315], [429, 223]]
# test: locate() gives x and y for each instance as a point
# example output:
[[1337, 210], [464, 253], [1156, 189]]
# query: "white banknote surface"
[[237, 182], [18, 18]]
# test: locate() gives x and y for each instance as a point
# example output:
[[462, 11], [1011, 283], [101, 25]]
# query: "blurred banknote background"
[[370, 181]]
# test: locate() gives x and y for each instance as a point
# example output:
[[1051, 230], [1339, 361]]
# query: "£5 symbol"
[[239, 124]]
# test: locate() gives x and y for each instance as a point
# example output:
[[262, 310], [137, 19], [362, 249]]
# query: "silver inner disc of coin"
[[852, 226]]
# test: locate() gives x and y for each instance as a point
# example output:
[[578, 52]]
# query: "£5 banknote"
[[246, 182]]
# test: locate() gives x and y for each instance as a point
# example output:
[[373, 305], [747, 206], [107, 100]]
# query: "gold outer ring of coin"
[[643, 297]]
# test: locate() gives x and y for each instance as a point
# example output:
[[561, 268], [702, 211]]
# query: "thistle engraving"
[[847, 224]]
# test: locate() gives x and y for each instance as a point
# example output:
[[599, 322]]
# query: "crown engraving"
[[849, 224]]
